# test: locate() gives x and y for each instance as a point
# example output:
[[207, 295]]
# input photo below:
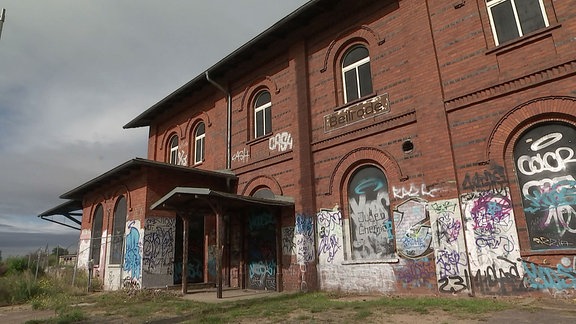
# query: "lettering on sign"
[[367, 109]]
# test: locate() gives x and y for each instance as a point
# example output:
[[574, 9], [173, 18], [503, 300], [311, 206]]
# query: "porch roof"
[[133, 165], [69, 210], [200, 198]]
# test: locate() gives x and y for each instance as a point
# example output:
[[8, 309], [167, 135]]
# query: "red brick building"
[[362, 146]]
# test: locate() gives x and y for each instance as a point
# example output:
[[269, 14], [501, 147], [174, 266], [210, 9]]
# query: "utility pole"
[[2, 18]]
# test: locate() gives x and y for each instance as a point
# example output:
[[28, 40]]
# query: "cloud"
[[74, 72]]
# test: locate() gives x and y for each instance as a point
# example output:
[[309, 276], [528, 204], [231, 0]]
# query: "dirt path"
[[557, 311]]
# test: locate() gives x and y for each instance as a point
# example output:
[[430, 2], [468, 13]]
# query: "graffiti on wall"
[[182, 158], [241, 156], [288, 241], [492, 238], [412, 225], [546, 171], [413, 191], [133, 257], [544, 277], [304, 236], [280, 142], [329, 224], [491, 179], [262, 250], [449, 247], [371, 226], [416, 273], [158, 256]]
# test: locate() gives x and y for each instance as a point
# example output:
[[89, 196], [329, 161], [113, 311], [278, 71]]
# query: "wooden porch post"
[[185, 224], [220, 247]]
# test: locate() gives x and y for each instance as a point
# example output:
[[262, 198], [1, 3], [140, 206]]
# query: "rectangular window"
[[199, 152], [259, 123], [511, 19]]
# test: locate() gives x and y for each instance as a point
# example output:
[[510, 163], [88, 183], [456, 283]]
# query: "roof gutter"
[[228, 121]]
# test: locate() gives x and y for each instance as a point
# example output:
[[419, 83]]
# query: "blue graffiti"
[[376, 184], [540, 277], [260, 221], [304, 225], [559, 194], [132, 260]]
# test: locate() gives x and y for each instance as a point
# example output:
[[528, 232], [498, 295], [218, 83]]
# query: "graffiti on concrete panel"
[[413, 191], [241, 156], [417, 273], [490, 230], [280, 142], [412, 225], [370, 222], [159, 245], [133, 257], [543, 277], [449, 246], [492, 179], [288, 241], [262, 250], [546, 171], [501, 280], [329, 224], [304, 236]]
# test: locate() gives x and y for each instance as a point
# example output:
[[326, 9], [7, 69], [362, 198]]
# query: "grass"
[[149, 305]]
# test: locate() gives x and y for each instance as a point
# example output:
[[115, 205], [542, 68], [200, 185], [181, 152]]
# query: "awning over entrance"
[[69, 210], [184, 200]]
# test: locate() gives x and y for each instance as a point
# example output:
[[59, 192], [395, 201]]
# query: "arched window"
[[356, 74], [265, 193], [546, 170], [199, 139], [173, 145], [262, 114], [96, 234], [370, 223], [118, 230]]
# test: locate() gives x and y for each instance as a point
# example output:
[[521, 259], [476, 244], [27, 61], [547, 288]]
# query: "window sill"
[[354, 102], [355, 262], [522, 41], [262, 138]]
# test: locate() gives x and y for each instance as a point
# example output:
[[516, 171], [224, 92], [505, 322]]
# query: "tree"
[[60, 251]]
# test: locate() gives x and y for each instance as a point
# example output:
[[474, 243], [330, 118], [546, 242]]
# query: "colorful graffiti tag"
[[449, 247], [371, 225], [412, 225], [329, 224], [133, 257], [546, 170], [159, 245], [492, 238], [262, 250], [304, 236]]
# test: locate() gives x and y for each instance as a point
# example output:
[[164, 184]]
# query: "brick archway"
[[521, 117], [359, 156]]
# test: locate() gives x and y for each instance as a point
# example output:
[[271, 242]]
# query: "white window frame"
[[262, 108], [492, 3], [173, 157], [353, 66], [199, 144]]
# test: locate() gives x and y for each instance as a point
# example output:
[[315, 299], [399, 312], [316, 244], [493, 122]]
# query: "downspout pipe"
[[228, 121]]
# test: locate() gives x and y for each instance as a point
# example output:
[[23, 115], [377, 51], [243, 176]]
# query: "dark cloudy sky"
[[73, 72]]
